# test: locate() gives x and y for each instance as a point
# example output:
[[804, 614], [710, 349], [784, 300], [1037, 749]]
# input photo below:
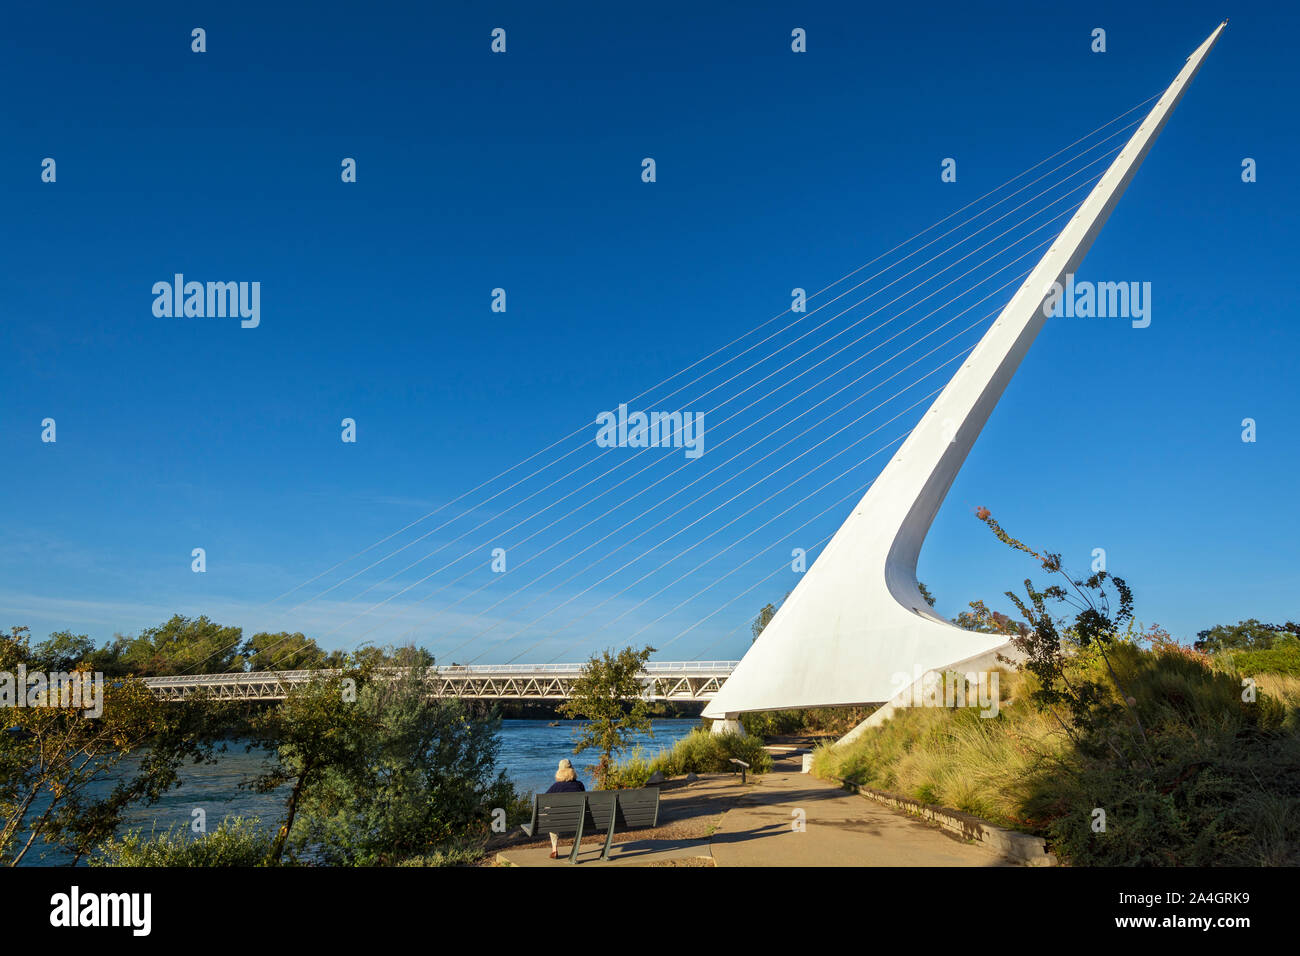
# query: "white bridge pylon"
[[857, 622]]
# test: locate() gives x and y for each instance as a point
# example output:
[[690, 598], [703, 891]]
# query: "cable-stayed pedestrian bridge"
[[663, 680]]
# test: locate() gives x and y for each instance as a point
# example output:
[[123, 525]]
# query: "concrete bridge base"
[[1003, 656], [728, 725]]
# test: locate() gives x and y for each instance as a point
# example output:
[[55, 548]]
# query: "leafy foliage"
[[1281, 658], [311, 734], [420, 777], [236, 841], [835, 721], [609, 697], [54, 759], [1081, 705], [1246, 635], [455, 854], [183, 645], [762, 621], [283, 652], [374, 771], [701, 751]]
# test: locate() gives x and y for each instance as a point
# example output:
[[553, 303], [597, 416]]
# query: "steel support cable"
[[715, 352], [857, 492], [607, 491], [748, 467], [930, 295], [746, 428], [720, 385], [592, 481], [743, 336], [748, 511]]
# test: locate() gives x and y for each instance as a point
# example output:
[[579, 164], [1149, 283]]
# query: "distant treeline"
[[185, 645]]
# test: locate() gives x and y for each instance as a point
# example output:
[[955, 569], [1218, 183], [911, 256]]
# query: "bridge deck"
[[663, 680]]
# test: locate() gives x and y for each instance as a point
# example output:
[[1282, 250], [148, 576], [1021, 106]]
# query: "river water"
[[530, 751]]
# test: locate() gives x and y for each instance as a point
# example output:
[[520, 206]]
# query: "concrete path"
[[837, 829], [718, 821]]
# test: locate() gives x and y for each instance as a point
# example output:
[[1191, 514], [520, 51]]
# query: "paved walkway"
[[751, 824], [836, 829]]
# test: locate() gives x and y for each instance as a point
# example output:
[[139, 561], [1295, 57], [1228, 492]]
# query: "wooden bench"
[[567, 814]]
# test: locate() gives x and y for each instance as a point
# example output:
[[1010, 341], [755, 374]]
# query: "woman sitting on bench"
[[566, 781]]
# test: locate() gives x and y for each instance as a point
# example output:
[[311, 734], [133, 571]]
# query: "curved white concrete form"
[[856, 630]]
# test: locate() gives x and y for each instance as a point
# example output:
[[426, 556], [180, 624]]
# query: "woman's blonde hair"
[[565, 772]]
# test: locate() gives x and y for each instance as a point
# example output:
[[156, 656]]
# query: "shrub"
[[700, 751], [820, 720], [466, 854], [236, 841], [632, 772], [1119, 755], [1223, 787], [1282, 658], [418, 775], [771, 723]]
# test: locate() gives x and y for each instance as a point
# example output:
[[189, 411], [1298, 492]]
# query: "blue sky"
[[522, 171]]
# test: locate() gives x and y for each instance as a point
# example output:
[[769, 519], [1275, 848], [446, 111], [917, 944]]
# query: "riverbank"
[[530, 750]]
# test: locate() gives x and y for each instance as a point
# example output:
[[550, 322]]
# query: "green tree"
[[107, 659], [406, 655], [57, 763], [980, 618], [764, 618], [63, 651], [313, 732], [282, 652], [608, 696], [1245, 635], [1085, 709], [421, 778], [183, 646], [990, 622]]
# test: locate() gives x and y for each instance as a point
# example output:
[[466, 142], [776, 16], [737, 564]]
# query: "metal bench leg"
[[609, 834], [577, 836]]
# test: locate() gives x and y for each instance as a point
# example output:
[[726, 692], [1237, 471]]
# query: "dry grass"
[[1216, 782]]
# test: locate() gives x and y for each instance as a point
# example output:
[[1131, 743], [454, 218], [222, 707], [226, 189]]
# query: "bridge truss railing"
[[663, 680]]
